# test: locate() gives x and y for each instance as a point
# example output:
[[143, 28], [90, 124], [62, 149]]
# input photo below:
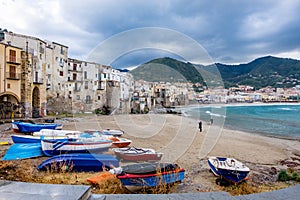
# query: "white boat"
[[137, 154], [56, 133], [54, 147], [228, 168]]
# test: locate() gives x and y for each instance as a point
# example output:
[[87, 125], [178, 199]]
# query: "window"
[[12, 71], [74, 77], [41, 56], [12, 56], [61, 73], [8, 85], [86, 85], [88, 99], [61, 50], [77, 97], [85, 75], [99, 97], [76, 87]]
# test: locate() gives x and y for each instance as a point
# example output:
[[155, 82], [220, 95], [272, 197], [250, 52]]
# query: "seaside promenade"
[[20, 190]]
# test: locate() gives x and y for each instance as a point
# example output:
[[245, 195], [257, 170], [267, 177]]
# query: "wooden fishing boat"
[[79, 162], [54, 147], [137, 154], [146, 175], [25, 127], [229, 169]]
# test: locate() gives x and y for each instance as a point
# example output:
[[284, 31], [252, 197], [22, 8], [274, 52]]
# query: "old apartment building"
[[38, 77]]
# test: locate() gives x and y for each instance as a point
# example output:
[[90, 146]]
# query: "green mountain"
[[262, 72]]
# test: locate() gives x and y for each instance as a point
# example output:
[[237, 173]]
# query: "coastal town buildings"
[[38, 78]]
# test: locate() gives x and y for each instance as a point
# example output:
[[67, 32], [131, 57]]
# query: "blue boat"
[[34, 139], [79, 162], [23, 151], [147, 175], [229, 169], [25, 127]]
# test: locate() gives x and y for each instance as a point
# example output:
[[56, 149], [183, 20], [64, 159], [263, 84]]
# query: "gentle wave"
[[276, 120]]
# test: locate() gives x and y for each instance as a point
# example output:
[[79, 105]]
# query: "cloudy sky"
[[228, 31]]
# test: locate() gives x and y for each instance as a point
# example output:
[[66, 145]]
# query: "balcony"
[[13, 75], [101, 85], [38, 80], [13, 60]]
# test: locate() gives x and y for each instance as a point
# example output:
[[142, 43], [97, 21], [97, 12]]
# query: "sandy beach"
[[181, 142]]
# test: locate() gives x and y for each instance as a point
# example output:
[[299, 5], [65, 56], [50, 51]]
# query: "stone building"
[[23, 75]]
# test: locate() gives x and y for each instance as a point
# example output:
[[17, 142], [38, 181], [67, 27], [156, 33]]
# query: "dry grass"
[[26, 171], [248, 187]]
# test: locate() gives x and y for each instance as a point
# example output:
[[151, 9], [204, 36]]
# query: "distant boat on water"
[[229, 169]]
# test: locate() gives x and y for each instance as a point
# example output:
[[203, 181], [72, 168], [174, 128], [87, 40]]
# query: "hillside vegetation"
[[262, 72]]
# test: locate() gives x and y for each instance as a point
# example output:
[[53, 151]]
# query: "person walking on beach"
[[200, 126], [211, 121]]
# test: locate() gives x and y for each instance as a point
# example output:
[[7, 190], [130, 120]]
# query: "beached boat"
[[137, 154], [110, 132], [114, 132], [79, 162], [119, 142], [54, 147], [25, 127], [23, 151], [57, 133], [229, 169], [144, 175], [36, 139]]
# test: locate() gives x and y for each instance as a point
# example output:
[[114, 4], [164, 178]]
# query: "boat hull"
[[233, 174], [127, 154], [25, 127], [23, 151], [134, 182], [79, 162], [33, 139], [54, 147]]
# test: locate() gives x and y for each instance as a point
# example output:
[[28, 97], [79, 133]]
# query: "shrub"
[[283, 176], [286, 176]]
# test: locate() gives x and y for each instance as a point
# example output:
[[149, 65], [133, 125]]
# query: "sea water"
[[276, 120]]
